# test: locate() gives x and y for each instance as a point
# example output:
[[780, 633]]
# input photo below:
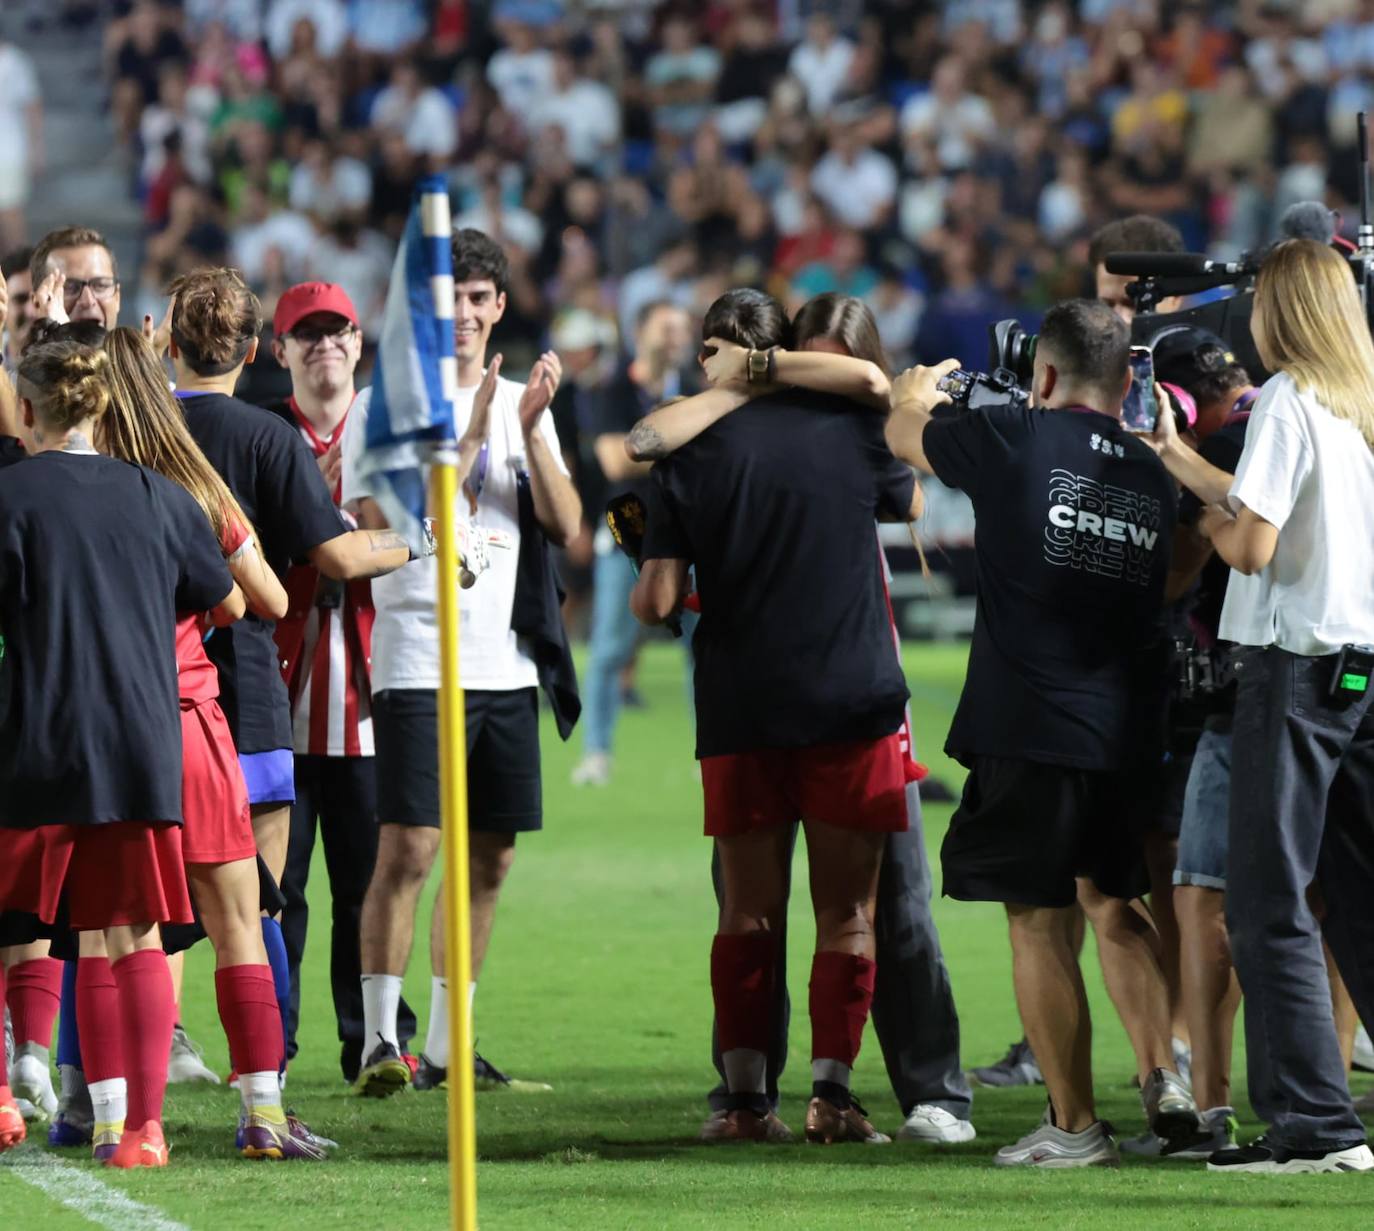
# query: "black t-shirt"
[[276, 480], [11, 450], [1223, 449], [97, 557], [775, 507], [1074, 524]]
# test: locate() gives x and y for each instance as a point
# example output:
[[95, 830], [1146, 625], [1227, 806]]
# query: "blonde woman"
[[1296, 524]]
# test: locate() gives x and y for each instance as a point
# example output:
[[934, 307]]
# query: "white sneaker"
[[185, 1063], [1051, 1147], [1363, 1058], [593, 770], [31, 1080], [935, 1124]]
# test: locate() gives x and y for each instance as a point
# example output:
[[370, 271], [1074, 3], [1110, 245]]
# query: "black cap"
[[1185, 355]]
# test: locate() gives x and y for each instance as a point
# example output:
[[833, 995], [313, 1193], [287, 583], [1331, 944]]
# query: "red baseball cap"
[[307, 298]]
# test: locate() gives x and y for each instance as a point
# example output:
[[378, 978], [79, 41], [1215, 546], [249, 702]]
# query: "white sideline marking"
[[93, 1199]]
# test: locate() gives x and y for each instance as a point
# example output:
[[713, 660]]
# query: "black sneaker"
[[430, 1076], [1016, 1068], [1264, 1157], [351, 1059], [385, 1072], [486, 1076]]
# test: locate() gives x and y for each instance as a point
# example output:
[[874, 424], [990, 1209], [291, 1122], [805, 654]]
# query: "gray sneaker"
[[1216, 1131], [1049, 1146], [1169, 1106], [1016, 1068], [185, 1063]]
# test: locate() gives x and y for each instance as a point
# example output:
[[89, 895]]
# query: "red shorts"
[[214, 799], [855, 786], [117, 873]]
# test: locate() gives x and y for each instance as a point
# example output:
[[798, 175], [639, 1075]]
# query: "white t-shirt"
[[1311, 475], [522, 79], [856, 192], [428, 123], [405, 637], [18, 92]]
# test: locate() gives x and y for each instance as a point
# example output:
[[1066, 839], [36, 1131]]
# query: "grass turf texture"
[[597, 982]]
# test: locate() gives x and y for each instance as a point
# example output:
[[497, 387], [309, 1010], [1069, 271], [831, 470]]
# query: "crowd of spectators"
[[945, 161]]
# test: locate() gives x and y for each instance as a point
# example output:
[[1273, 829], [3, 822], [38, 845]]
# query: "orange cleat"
[[12, 1130], [745, 1125], [142, 1147], [827, 1124]]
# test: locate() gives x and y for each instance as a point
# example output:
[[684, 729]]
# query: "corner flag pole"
[[453, 783]]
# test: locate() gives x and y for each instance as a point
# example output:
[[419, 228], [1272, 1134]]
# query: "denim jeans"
[[613, 636], [1302, 810]]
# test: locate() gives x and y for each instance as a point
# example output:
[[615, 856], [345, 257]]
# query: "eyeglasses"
[[101, 288], [312, 335]]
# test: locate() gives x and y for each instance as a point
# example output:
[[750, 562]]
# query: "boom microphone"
[[1308, 220], [1173, 265]]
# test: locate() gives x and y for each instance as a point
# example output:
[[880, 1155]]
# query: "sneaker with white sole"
[[1363, 1056], [1053, 1147], [1169, 1106], [936, 1125], [1017, 1068], [593, 770], [1216, 1131], [30, 1078], [185, 1062], [1263, 1157]]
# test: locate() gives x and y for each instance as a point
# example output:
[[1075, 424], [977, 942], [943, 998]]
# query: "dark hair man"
[[1138, 233], [82, 263], [1061, 707], [324, 644], [657, 370], [16, 303], [509, 439], [799, 699]]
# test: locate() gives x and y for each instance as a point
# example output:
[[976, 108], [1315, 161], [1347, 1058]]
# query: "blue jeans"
[[613, 637]]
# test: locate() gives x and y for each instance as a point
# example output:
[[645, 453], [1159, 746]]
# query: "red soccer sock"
[[4, 1064], [35, 991], [148, 1013], [98, 1020], [248, 1009], [841, 996], [743, 969]]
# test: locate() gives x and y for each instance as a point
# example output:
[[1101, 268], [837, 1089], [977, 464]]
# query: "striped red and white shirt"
[[325, 646]]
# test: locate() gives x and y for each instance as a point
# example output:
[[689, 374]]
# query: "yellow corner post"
[[453, 788]]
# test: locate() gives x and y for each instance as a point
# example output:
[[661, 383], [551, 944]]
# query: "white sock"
[[436, 1039], [746, 1070], [472, 996], [381, 1000], [260, 1089], [831, 1070], [110, 1100]]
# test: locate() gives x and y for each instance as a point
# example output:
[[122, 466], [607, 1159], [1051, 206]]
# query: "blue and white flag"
[[417, 373]]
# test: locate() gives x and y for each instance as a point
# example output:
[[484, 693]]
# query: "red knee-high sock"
[[148, 1013], [743, 969], [98, 1020], [841, 996], [35, 991], [4, 1064], [247, 999]]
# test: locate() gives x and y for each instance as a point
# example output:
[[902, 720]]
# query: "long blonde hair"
[[144, 424], [1312, 326]]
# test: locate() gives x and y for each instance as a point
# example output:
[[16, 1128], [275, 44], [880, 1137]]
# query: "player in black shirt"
[[799, 697], [1063, 700]]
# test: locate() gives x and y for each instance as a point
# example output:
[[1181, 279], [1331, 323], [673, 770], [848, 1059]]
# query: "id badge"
[[1353, 670]]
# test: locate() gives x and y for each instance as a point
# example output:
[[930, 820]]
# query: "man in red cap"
[[325, 644]]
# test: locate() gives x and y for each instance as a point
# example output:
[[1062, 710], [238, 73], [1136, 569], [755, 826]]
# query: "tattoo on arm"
[[387, 540], [645, 442]]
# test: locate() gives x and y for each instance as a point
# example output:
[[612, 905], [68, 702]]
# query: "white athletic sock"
[[381, 1001], [472, 996], [746, 1070], [832, 1071], [436, 1039], [110, 1100], [260, 1089]]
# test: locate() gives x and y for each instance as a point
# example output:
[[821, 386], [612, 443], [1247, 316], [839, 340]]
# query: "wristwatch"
[[757, 367]]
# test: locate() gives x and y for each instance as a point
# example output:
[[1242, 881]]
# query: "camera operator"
[[1138, 233], [1060, 718], [1296, 524]]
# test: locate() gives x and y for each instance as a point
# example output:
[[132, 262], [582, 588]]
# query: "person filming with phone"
[[1296, 525], [1061, 719]]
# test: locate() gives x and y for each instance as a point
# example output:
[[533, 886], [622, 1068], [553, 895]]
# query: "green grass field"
[[597, 982]]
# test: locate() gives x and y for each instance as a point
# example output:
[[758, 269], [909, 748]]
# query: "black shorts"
[[505, 794], [1024, 831]]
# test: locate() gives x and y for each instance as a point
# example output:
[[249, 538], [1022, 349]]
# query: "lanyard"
[[317, 442]]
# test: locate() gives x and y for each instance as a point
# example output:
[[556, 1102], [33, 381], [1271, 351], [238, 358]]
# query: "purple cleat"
[[269, 1133], [105, 1139]]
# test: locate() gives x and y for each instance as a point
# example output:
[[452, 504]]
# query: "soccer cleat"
[[268, 1132], [1263, 1157], [827, 1124], [1363, 1056], [13, 1130], [936, 1125], [69, 1130], [593, 770], [1169, 1106], [726, 1125], [428, 1075], [105, 1139], [385, 1072], [1052, 1147], [143, 1147], [185, 1062], [1017, 1068], [31, 1079], [486, 1076]]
